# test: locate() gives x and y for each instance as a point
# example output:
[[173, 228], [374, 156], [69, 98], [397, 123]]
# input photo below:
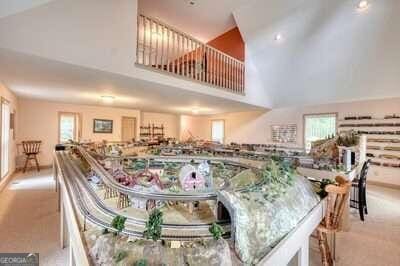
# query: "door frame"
[[134, 126]]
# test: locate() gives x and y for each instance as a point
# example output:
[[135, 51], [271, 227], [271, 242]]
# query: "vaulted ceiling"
[[203, 19], [329, 50]]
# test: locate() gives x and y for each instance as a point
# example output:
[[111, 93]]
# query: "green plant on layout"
[[118, 223], [153, 225]]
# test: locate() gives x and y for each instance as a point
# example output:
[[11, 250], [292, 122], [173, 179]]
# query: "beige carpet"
[[29, 222], [375, 242]]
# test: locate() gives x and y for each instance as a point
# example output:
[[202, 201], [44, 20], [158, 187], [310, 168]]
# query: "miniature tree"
[[153, 225], [141, 262], [216, 230], [120, 255], [118, 223]]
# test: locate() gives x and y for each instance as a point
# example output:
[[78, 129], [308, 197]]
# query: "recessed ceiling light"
[[278, 37], [362, 5], [107, 99]]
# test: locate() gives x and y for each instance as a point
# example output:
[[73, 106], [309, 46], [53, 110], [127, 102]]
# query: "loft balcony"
[[163, 48]]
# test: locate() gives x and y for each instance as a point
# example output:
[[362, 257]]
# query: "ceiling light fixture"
[[362, 5], [278, 37], [195, 111], [107, 99]]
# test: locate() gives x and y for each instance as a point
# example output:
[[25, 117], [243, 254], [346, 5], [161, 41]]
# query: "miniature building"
[[191, 179]]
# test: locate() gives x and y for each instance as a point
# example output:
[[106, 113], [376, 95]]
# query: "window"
[[318, 126], [217, 131], [68, 127], [5, 137]]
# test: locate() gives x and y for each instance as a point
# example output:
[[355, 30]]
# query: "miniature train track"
[[92, 208]]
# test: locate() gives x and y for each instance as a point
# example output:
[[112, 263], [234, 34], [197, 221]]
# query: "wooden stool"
[[336, 201], [31, 150]]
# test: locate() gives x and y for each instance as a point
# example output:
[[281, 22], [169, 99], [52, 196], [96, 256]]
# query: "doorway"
[[5, 137], [128, 129]]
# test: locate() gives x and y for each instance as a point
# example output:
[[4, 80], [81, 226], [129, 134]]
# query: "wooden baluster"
[[137, 38], [156, 36], [186, 44], [167, 52], [191, 58], [162, 48], [144, 41], [209, 64], [151, 43], [173, 52]]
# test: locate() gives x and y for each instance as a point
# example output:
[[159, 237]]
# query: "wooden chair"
[[337, 198], [358, 195], [31, 149]]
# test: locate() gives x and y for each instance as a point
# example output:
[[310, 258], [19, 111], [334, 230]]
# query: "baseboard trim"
[[33, 168], [4, 182], [382, 184]]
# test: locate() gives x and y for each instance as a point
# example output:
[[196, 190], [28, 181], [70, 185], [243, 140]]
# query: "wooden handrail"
[[167, 49]]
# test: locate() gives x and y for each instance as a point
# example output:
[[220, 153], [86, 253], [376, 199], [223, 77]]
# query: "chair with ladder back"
[[31, 150], [336, 200]]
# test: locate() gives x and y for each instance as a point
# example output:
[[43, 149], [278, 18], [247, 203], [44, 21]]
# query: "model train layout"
[[251, 207]]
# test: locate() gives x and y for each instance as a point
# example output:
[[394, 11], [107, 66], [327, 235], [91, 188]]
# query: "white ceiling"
[[330, 51], [204, 20], [11, 7], [38, 78]]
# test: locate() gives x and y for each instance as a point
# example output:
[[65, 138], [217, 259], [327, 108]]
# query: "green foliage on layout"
[[139, 165], [153, 225], [141, 262], [348, 139], [120, 255], [322, 184], [118, 223], [278, 176], [216, 230]]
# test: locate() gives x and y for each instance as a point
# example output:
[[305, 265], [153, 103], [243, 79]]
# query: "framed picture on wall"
[[102, 126]]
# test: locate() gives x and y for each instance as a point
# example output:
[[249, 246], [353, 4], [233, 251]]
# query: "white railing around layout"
[[166, 49]]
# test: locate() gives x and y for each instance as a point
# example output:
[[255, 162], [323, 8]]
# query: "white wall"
[[38, 120], [198, 127], [171, 122], [255, 127]]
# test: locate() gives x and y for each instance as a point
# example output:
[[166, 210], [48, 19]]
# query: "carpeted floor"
[[29, 222]]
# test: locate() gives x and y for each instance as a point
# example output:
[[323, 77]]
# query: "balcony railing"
[[166, 49]]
